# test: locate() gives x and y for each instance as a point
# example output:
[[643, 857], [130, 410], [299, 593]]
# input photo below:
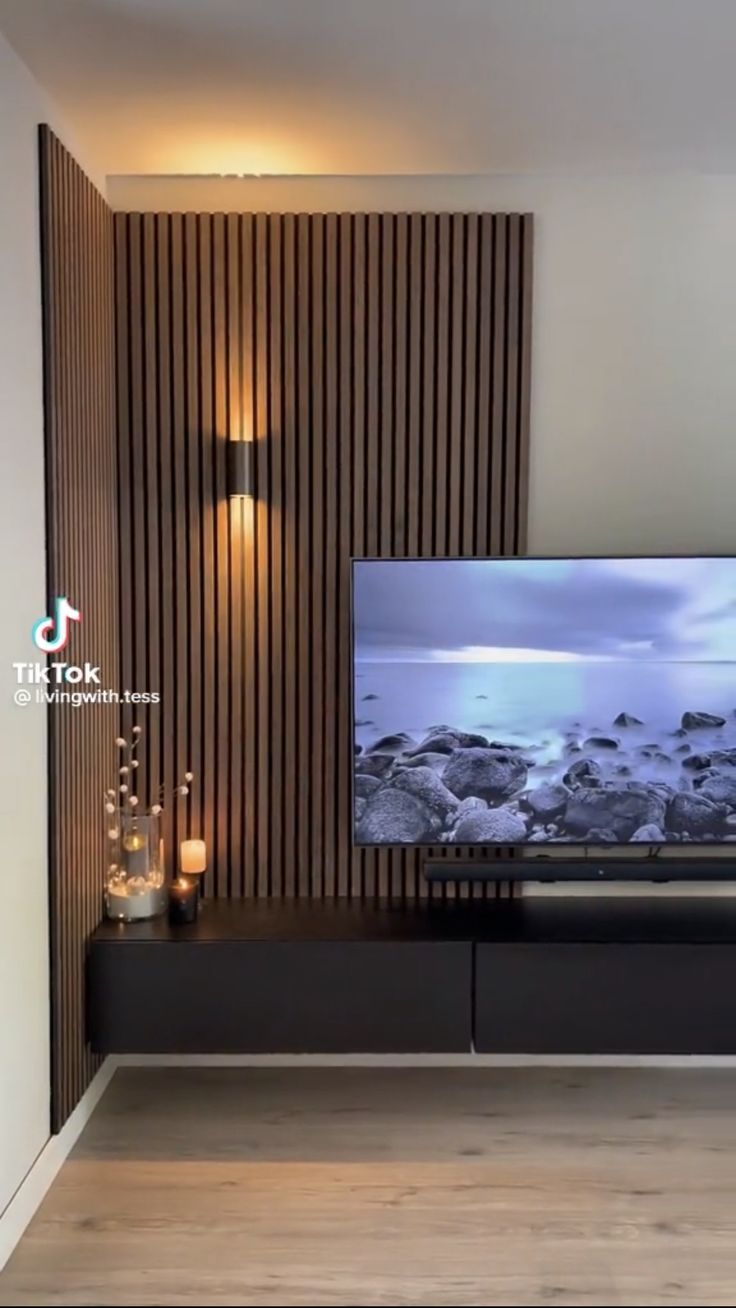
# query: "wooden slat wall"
[[380, 362], [82, 522]]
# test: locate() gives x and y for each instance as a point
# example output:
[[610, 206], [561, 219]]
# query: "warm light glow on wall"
[[236, 157]]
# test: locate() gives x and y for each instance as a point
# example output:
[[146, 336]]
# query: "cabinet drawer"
[[280, 997], [605, 998]]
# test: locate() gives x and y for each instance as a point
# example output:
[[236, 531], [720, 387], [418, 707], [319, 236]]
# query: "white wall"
[[634, 380], [24, 973]]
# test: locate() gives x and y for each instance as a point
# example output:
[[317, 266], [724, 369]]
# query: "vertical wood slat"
[[381, 365], [150, 508], [245, 869], [332, 458], [79, 295], [275, 424], [235, 415], [222, 420], [261, 551], [164, 444], [176, 736], [192, 546], [319, 454], [204, 523], [289, 615], [344, 492]]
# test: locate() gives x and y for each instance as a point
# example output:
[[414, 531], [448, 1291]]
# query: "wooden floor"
[[361, 1186]]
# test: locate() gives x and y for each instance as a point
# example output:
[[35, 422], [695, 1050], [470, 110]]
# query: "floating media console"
[[541, 868], [565, 975]]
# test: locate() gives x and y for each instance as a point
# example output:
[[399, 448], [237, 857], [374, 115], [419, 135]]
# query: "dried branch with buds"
[[124, 794]]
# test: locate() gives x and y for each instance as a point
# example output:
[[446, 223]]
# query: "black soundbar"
[[653, 867]]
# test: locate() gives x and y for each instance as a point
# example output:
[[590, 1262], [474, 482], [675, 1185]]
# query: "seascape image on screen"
[[544, 701]]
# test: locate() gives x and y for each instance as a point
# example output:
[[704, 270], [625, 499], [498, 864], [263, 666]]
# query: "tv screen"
[[544, 701]]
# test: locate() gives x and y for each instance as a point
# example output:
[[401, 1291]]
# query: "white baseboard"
[[428, 1060], [15, 1217]]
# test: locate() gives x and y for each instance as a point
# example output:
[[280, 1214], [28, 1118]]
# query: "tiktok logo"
[[42, 631]]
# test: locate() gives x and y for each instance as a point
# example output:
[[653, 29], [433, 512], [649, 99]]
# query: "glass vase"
[[135, 885]]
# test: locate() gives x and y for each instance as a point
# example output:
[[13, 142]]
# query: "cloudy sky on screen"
[[545, 609]]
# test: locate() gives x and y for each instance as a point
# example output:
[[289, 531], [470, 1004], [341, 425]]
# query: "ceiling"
[[387, 86]]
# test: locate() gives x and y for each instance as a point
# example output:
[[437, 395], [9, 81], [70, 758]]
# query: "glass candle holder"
[[134, 888]]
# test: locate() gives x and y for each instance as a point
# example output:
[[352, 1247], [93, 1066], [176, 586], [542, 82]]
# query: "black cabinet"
[[541, 976], [595, 998]]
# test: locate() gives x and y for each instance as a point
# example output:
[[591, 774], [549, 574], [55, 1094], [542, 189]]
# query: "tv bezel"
[[540, 854]]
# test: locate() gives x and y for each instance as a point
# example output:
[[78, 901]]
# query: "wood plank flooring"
[[381, 1186]]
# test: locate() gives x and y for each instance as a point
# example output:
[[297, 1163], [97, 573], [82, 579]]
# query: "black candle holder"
[[183, 902]]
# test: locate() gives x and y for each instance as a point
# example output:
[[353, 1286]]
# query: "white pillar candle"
[[193, 857]]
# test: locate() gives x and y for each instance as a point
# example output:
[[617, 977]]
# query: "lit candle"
[[193, 857], [135, 846], [182, 902]]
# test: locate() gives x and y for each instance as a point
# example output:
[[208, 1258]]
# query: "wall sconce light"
[[240, 468]]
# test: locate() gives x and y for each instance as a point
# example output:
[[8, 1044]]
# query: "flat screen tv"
[[544, 701]]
